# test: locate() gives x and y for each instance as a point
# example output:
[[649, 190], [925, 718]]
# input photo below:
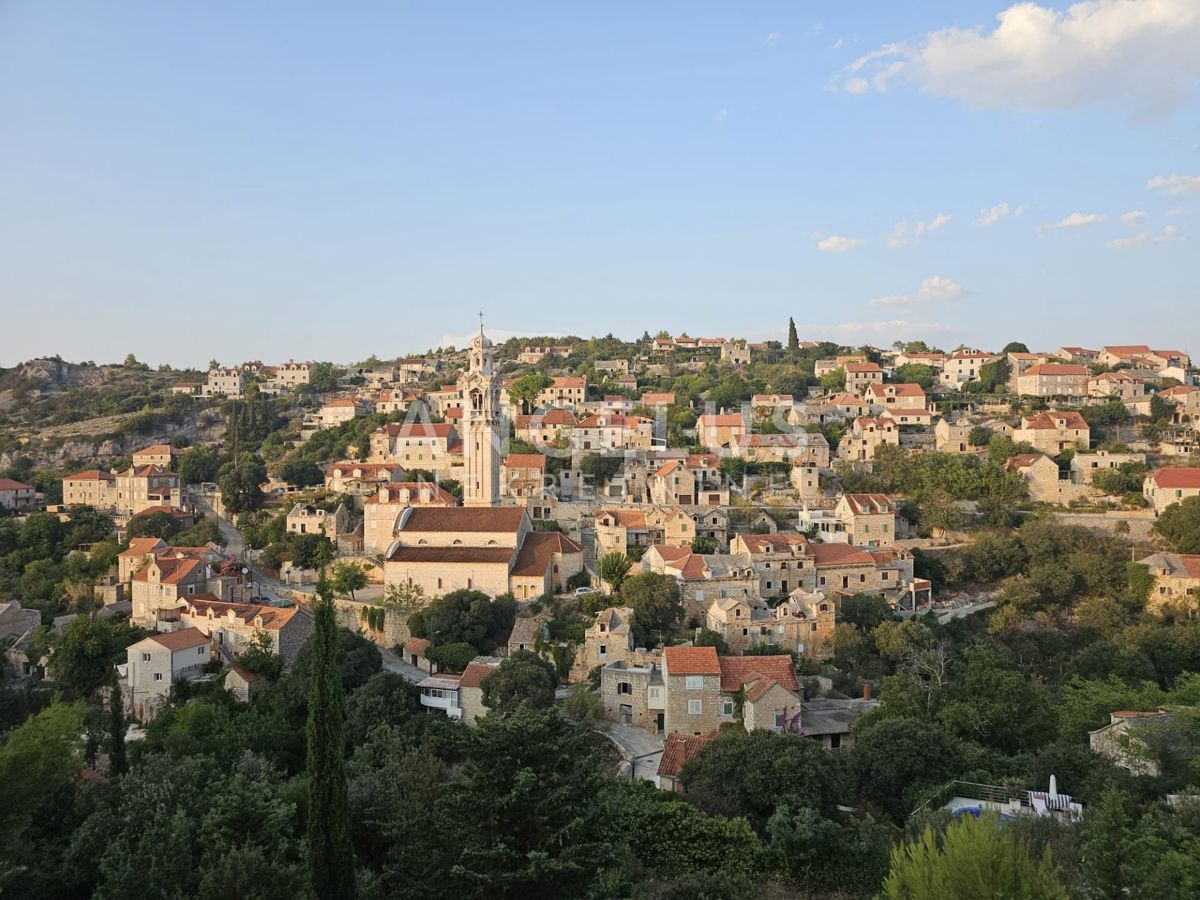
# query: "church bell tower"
[[480, 390]]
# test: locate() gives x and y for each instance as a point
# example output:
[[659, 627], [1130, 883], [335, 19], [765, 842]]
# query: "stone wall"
[[1141, 522]]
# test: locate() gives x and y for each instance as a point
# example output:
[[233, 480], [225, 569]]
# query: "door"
[[660, 722], [625, 714]]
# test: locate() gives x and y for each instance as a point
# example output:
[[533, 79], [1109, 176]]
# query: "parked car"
[[584, 591]]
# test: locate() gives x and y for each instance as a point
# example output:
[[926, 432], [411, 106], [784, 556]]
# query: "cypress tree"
[[118, 763], [793, 338], [330, 855]]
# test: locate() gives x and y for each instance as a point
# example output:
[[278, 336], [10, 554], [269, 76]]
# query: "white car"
[[584, 591]]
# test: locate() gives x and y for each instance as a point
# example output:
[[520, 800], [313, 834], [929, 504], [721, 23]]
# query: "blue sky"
[[272, 180]]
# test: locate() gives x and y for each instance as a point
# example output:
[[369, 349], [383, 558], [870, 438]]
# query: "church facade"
[[481, 545]]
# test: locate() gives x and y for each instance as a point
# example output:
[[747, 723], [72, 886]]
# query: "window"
[[199, 651], [158, 676], [727, 708], [695, 707], [145, 657], [694, 683], [780, 719], [624, 687], [604, 650]]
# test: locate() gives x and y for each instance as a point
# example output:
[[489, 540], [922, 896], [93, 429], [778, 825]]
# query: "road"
[[235, 545], [640, 750], [393, 663]]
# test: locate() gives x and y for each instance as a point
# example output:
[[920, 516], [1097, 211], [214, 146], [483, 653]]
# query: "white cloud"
[[934, 289], [1134, 215], [772, 39], [900, 235], [992, 214], [721, 115], [837, 244], [903, 233], [935, 224], [1175, 184], [1145, 238], [838, 44], [1140, 55], [1078, 220]]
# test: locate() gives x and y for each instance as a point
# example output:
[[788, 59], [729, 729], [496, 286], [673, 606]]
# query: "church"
[[481, 545]]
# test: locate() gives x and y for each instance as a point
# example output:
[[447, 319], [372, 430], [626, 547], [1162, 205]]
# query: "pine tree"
[[330, 856], [793, 337], [118, 763]]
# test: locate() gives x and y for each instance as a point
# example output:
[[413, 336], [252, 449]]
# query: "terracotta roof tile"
[[691, 661], [679, 750], [739, 670], [181, 640]]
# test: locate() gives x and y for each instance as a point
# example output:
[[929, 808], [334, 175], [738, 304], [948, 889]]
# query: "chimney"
[[866, 690]]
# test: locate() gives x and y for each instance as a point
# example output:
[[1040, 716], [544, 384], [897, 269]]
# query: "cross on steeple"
[[481, 321]]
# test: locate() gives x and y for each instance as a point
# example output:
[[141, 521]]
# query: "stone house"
[[232, 626], [1041, 475], [293, 374], [1054, 431], [692, 676], [305, 518], [341, 410], [604, 433], [154, 664], [1122, 740], [806, 481], [634, 693], [965, 365], [1084, 466], [1119, 384], [717, 431], [351, 476], [382, 511], [93, 487], [782, 561], [702, 578], [1176, 581], [242, 683], [1069, 380], [619, 529], [543, 429], [796, 447], [1163, 487], [1186, 398], [869, 520], [895, 396], [566, 392], [223, 383], [954, 437], [694, 481], [860, 376], [678, 751], [612, 366], [169, 575], [435, 447], [161, 455], [523, 475], [865, 435], [607, 640], [16, 495]]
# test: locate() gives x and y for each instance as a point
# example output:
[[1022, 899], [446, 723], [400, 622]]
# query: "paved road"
[[235, 545], [393, 663], [640, 750]]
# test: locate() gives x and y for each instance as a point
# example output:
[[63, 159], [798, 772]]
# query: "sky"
[[274, 180]]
